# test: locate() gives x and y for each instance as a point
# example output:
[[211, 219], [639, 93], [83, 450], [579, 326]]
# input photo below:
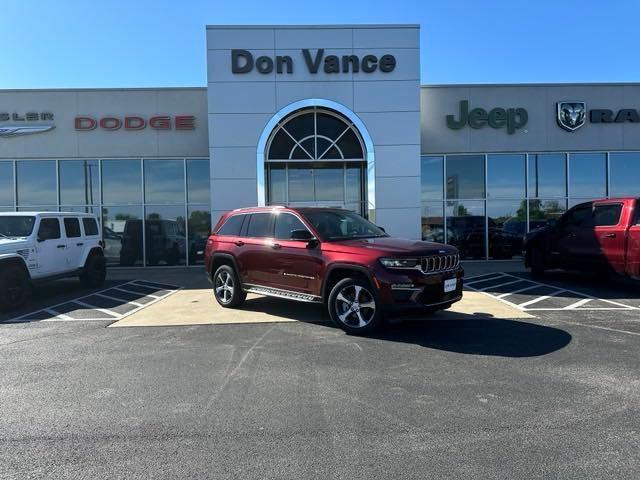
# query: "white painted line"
[[466, 282], [519, 290], [489, 276], [543, 297], [135, 293], [579, 303], [579, 309], [587, 325], [98, 309], [499, 285], [55, 313], [119, 299]]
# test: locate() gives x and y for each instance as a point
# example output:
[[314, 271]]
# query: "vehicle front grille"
[[439, 263]]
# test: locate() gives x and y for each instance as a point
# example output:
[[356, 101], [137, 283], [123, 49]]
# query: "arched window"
[[315, 134]]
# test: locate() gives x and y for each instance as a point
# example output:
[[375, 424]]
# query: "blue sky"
[[137, 43]]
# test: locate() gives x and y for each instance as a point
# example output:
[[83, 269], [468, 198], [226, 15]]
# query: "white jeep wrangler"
[[42, 246]]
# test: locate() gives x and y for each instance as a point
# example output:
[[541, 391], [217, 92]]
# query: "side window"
[[72, 227], [285, 223], [49, 229], [90, 226], [232, 226], [607, 214], [580, 217], [259, 224]]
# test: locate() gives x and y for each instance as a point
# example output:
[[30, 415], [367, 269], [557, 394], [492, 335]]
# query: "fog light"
[[402, 286]]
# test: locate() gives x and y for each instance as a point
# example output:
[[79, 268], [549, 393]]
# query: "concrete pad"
[[199, 307]]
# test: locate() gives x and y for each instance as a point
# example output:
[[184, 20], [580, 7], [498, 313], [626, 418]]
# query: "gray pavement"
[[553, 397]]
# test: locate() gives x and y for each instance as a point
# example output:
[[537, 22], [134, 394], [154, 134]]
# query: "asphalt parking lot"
[[554, 393]]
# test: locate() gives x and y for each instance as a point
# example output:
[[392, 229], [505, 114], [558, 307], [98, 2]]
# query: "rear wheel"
[[354, 307], [538, 264], [15, 288], [95, 271], [227, 288]]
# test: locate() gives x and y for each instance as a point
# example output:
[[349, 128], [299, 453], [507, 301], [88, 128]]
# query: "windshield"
[[342, 225], [14, 226]]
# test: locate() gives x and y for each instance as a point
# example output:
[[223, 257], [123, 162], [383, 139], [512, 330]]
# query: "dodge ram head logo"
[[571, 115], [16, 130]]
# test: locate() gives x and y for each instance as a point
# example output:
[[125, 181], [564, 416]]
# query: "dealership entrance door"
[[315, 157]]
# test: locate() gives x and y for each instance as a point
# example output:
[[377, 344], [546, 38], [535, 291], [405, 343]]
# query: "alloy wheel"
[[224, 286], [355, 306]]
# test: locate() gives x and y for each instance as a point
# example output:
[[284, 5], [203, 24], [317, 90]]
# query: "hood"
[[399, 246], [10, 245]]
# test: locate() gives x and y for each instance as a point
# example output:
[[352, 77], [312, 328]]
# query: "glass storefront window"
[[354, 185], [543, 211], [164, 181], [587, 175], [507, 221], [465, 176], [122, 234], [199, 226], [81, 209], [624, 174], [547, 175], [6, 184], [431, 175], [277, 184], [505, 176], [79, 182], [36, 182], [301, 183], [198, 181], [165, 237], [433, 222], [466, 227], [121, 181], [329, 182]]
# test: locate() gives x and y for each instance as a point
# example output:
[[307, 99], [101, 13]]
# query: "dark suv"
[[329, 255]]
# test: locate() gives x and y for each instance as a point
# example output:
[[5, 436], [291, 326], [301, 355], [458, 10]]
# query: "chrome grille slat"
[[439, 263]]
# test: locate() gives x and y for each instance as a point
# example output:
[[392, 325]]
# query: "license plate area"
[[450, 285]]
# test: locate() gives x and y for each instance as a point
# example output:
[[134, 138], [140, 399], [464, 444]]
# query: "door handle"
[[79, 244], [275, 246], [609, 235], [61, 246], [239, 243]]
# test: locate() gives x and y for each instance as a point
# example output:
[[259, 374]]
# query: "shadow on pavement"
[[478, 335]]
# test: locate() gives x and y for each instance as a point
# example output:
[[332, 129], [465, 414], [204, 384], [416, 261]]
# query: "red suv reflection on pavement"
[[333, 256]]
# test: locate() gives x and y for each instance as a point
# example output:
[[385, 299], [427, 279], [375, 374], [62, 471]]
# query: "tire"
[[15, 288], [354, 307], [227, 288], [538, 265], [95, 271]]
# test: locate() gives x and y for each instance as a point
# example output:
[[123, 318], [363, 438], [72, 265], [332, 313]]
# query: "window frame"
[[45, 219], [280, 214], [608, 204], [247, 224], [66, 230]]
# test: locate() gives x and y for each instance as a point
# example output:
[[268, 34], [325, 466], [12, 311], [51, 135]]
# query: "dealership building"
[[318, 115]]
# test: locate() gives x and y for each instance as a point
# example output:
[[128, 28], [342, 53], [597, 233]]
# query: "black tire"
[[94, 272], [227, 288], [354, 306], [537, 262], [15, 287]]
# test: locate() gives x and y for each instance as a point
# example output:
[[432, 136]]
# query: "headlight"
[[399, 262]]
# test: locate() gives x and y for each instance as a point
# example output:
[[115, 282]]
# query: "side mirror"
[[381, 228], [40, 238], [302, 235]]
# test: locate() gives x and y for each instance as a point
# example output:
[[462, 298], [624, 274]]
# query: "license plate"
[[450, 285]]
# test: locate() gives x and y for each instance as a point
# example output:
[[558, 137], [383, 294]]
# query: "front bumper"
[[401, 290]]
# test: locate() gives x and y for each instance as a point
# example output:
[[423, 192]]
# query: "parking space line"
[[519, 290], [112, 315], [543, 297], [481, 278], [118, 299], [499, 285], [577, 304]]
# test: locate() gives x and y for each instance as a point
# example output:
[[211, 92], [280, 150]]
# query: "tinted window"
[[121, 181], [285, 223], [49, 228], [6, 183], [431, 171], [259, 225], [232, 226], [11, 226], [604, 215], [36, 182], [90, 226], [164, 181], [198, 181], [587, 175], [547, 175], [72, 227], [580, 216], [465, 176], [79, 182], [505, 176]]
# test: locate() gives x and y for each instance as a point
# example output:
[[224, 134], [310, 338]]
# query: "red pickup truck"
[[598, 236]]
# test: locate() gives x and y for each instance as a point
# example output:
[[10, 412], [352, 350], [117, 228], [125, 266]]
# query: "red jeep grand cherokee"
[[329, 255]]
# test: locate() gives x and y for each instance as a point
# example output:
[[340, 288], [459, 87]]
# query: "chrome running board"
[[279, 293]]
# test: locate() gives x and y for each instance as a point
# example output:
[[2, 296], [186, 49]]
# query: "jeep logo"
[[510, 118]]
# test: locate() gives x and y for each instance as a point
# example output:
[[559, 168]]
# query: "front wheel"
[[353, 306], [14, 288], [227, 288]]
